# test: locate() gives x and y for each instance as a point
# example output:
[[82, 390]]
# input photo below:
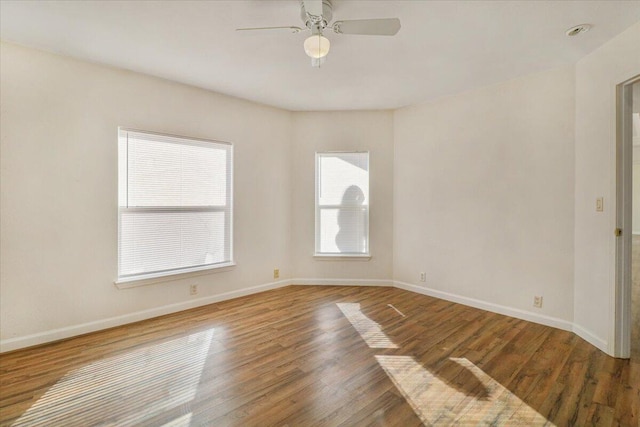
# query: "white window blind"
[[175, 204], [342, 204]]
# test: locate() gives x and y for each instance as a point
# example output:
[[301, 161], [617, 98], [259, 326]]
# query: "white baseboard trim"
[[591, 338], [488, 306], [342, 282], [84, 328]]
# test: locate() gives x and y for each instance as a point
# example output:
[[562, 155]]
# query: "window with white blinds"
[[174, 203], [342, 204]]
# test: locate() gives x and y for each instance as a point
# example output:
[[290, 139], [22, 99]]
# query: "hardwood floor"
[[325, 356]]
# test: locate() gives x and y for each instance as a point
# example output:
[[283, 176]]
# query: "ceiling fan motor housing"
[[320, 22]]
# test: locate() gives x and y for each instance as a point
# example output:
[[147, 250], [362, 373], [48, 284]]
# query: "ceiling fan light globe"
[[317, 46]]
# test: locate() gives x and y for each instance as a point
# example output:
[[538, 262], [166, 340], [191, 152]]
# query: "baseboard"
[[342, 282], [591, 338], [483, 305], [84, 328]]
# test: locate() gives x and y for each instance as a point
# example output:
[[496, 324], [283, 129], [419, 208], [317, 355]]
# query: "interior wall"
[[342, 131], [58, 202], [483, 196], [597, 76]]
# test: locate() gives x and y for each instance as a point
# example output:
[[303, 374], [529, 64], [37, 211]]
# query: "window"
[[174, 205], [342, 204]]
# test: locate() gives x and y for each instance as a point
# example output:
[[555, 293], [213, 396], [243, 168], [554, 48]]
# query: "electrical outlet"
[[537, 302], [276, 273], [193, 290], [423, 277]]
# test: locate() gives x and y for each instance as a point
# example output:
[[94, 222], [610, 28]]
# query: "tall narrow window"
[[342, 204], [175, 205]]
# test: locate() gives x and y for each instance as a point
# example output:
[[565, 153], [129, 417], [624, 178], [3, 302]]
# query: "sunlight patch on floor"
[[182, 421], [370, 331], [125, 389], [397, 311], [437, 403]]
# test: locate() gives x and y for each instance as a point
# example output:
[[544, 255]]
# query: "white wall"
[[342, 131], [59, 192], [597, 75], [483, 188]]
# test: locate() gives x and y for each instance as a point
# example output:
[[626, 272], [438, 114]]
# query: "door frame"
[[624, 203]]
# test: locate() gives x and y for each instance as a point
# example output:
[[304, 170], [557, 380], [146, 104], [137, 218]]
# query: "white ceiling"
[[443, 47]]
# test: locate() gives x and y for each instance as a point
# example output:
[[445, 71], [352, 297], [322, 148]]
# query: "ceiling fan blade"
[[313, 7], [291, 29], [369, 27]]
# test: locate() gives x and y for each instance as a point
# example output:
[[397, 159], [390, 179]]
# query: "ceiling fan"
[[317, 15]]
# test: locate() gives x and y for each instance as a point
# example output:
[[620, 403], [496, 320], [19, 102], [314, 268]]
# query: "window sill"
[[339, 257], [149, 279]]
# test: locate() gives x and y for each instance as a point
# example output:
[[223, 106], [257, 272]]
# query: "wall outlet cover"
[[537, 302]]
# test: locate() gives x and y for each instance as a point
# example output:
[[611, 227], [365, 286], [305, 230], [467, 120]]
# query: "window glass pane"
[[342, 203], [343, 230], [171, 174], [158, 241], [344, 179]]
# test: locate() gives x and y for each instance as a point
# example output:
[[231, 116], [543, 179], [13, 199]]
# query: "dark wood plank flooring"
[[321, 356]]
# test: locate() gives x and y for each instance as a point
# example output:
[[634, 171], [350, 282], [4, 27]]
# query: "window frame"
[[132, 280], [327, 256]]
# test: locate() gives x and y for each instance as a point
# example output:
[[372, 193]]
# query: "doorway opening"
[[635, 222], [627, 295]]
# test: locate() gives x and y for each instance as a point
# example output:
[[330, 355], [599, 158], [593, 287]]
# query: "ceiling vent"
[[574, 31]]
